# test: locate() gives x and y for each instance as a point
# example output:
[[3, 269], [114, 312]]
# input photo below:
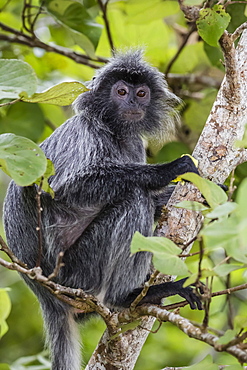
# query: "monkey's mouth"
[[133, 116]]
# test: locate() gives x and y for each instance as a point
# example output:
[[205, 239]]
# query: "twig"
[[59, 264], [237, 33], [103, 8], [144, 290], [185, 40], [5, 249], [232, 188], [9, 103]]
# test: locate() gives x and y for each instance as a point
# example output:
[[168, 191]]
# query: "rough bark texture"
[[218, 156]]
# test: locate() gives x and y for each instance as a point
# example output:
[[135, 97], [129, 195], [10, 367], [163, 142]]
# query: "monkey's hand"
[[195, 161]]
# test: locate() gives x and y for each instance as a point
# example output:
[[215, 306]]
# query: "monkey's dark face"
[[131, 100]]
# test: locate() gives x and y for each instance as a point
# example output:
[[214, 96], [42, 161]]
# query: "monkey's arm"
[[157, 292], [112, 181]]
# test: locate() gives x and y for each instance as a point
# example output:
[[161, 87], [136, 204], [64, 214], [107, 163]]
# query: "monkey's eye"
[[122, 92], [141, 93]]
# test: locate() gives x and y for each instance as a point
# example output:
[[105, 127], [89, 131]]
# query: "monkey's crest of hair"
[[162, 114]]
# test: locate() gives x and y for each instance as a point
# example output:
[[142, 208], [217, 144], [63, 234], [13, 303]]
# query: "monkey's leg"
[[156, 293]]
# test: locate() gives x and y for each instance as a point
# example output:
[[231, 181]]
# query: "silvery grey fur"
[[105, 192]]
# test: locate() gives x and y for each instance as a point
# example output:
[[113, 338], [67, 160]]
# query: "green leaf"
[[16, 76], [4, 367], [225, 269], [227, 337], [212, 23], [206, 363], [193, 206], [241, 199], [164, 252], [5, 307], [213, 194], [204, 274], [19, 120], [215, 56], [75, 16], [43, 180], [61, 94], [222, 210], [240, 322], [5, 304], [21, 159]]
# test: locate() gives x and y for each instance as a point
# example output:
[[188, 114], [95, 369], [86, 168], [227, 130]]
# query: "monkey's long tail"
[[62, 335]]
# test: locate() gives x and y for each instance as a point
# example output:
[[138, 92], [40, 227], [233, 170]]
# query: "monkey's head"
[[130, 97]]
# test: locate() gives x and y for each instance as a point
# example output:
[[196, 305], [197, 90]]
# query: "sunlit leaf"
[[61, 94], [4, 367], [5, 307]]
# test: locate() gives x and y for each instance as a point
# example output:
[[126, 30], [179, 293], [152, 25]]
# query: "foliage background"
[[161, 28]]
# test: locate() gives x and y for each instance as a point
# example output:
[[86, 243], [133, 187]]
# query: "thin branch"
[[144, 290], [9, 103], [103, 8], [21, 38], [237, 33], [10, 254], [58, 266], [185, 40]]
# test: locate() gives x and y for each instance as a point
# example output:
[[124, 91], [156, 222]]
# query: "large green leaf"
[[165, 253], [16, 76], [21, 159], [23, 119], [213, 194], [75, 16], [61, 94], [212, 23]]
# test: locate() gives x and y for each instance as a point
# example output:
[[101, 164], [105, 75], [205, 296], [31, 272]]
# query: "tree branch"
[[19, 37], [189, 329]]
